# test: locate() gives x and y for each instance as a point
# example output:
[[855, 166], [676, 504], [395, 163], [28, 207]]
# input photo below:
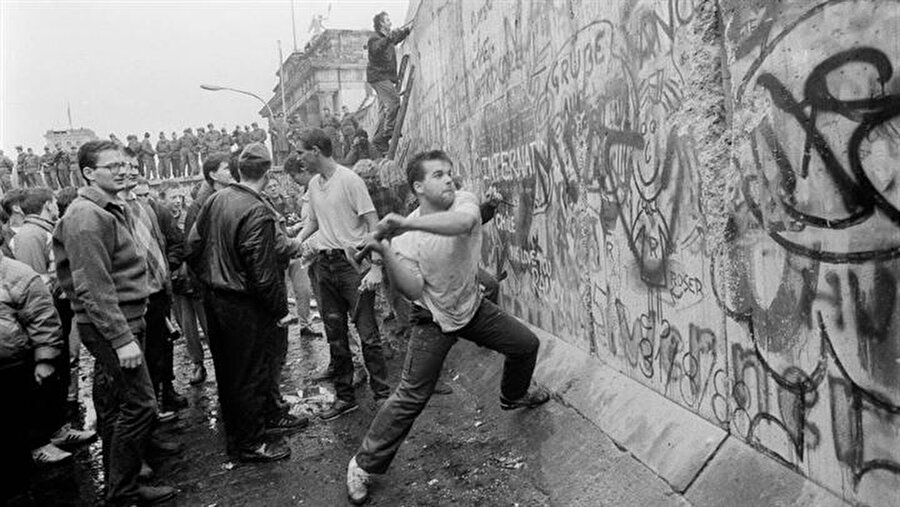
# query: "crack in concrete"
[[706, 463]]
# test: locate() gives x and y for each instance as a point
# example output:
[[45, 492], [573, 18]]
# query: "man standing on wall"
[[177, 161], [7, 167], [32, 169], [189, 149], [62, 167], [20, 167], [163, 151], [48, 165], [74, 169], [148, 158], [433, 261], [381, 74], [342, 211]]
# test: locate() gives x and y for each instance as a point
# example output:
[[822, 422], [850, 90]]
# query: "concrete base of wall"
[[696, 458]]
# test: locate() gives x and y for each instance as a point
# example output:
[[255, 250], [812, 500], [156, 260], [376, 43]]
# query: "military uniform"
[[211, 143], [258, 135], [32, 169], [225, 141], [175, 156], [280, 144], [244, 138], [74, 170], [135, 146], [62, 168], [48, 165], [189, 150], [165, 157], [148, 159], [6, 168], [20, 168]]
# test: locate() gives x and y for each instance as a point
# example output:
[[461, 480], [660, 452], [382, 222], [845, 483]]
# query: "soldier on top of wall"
[[164, 152], [175, 156], [189, 151], [20, 166], [148, 157], [6, 168], [62, 167], [48, 167], [32, 169], [135, 146], [257, 135]]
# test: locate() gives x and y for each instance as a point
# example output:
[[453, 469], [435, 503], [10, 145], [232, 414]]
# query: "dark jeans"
[[126, 413], [240, 335], [492, 328], [64, 309], [158, 347], [339, 296], [15, 457], [47, 402], [389, 98], [278, 345]]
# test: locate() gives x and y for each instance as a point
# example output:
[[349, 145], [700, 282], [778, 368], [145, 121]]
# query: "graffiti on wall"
[[784, 331], [813, 254]]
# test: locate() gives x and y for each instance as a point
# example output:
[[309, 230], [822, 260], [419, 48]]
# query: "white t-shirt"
[[448, 265], [338, 204]]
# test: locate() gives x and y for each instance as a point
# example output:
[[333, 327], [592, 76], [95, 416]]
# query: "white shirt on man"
[[448, 265], [338, 205]]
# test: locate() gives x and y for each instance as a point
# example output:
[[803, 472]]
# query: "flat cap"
[[255, 151]]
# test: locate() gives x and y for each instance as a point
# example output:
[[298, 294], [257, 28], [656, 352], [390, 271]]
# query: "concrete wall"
[[703, 198]]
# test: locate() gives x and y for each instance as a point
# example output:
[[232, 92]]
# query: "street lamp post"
[[274, 122], [214, 88]]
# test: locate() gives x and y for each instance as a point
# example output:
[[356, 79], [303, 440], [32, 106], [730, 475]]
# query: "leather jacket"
[[232, 248]]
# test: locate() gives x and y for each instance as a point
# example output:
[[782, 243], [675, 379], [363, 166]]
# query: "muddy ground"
[[463, 451]]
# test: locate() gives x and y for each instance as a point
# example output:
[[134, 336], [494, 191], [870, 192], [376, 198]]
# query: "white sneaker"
[[357, 483], [66, 436], [49, 454]]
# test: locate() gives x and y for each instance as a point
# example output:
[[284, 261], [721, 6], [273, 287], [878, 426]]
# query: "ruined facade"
[[330, 72]]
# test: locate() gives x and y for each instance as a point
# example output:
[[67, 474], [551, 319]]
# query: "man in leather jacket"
[[232, 249]]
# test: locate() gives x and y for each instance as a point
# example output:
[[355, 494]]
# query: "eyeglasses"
[[114, 167]]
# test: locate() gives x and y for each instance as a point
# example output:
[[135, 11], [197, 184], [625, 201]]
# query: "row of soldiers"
[[169, 157], [54, 168], [181, 156]]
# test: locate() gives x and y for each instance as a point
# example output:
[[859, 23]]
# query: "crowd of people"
[[176, 156], [173, 156], [122, 273]]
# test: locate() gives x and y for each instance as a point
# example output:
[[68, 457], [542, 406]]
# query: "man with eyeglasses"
[[104, 274]]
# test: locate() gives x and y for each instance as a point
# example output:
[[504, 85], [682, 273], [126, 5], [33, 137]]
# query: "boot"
[[171, 400]]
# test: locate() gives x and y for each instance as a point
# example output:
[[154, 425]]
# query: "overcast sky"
[[136, 66]]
